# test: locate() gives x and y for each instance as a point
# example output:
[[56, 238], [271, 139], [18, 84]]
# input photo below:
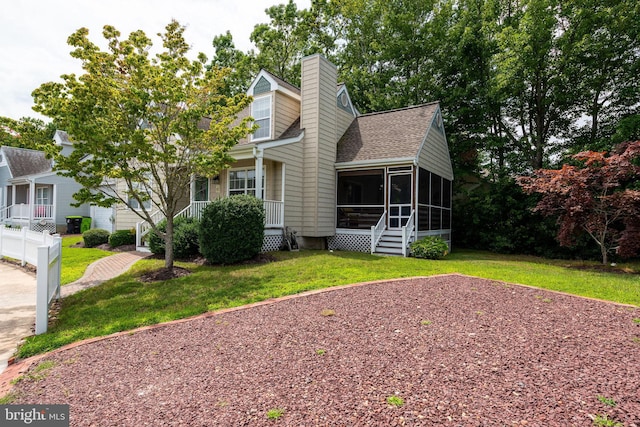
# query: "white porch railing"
[[21, 211], [143, 227], [377, 231], [194, 210], [407, 232], [273, 213], [274, 216]]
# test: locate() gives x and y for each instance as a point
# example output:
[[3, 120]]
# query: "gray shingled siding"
[[262, 86]]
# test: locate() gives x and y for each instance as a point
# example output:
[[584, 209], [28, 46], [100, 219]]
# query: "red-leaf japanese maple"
[[597, 197]]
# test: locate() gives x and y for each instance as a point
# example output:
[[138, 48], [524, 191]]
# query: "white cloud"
[[33, 34]]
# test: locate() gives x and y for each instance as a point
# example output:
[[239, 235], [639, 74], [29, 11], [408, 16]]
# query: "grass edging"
[[124, 303]]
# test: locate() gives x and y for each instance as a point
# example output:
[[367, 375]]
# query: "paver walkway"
[[103, 270]]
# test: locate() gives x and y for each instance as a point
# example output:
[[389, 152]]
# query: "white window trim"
[[270, 117], [131, 199], [40, 191], [248, 168]]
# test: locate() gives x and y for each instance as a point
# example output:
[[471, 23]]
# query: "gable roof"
[[273, 83], [23, 162], [391, 134]]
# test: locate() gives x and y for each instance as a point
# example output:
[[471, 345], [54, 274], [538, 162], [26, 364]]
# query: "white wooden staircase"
[[396, 242], [390, 243]]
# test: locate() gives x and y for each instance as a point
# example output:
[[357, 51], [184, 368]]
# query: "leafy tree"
[[597, 197], [604, 41], [26, 133], [150, 123], [284, 41], [242, 65]]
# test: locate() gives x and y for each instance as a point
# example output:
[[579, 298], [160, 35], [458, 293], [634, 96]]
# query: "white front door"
[[400, 191]]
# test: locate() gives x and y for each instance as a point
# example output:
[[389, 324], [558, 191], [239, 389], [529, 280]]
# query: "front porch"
[[274, 223], [29, 205]]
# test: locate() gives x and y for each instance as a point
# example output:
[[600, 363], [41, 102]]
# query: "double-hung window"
[[261, 113], [43, 196], [243, 181], [133, 202]]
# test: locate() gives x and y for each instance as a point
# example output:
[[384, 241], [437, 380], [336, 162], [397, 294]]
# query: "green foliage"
[[26, 133], [185, 238], [275, 413], [122, 237], [498, 216], [607, 401], [125, 94], [430, 247], [605, 421], [232, 229], [396, 401], [95, 237]]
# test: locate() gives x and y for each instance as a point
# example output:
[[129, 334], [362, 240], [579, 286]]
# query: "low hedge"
[[122, 237], [95, 237]]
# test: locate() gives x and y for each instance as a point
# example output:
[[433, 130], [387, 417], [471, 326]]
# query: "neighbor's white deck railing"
[[377, 231], [21, 211]]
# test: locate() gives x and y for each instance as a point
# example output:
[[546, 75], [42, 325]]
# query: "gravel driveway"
[[456, 350]]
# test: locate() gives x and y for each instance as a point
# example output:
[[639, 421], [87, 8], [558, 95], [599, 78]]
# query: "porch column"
[[54, 198], [258, 153], [13, 194], [31, 200], [192, 188]]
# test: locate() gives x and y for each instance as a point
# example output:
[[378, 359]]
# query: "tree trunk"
[[168, 244]]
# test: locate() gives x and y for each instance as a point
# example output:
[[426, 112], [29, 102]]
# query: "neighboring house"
[[341, 180], [32, 194]]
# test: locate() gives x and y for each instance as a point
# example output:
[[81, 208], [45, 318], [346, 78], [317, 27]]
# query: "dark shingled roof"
[[386, 135], [285, 84], [23, 162], [292, 131]]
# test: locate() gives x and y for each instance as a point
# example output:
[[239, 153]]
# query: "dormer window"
[[261, 113]]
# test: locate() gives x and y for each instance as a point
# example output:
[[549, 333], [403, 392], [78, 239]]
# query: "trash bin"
[[74, 223], [86, 224]]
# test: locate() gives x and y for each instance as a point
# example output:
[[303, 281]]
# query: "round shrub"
[[121, 238], [156, 243], [95, 237], [232, 229], [430, 247], [185, 238]]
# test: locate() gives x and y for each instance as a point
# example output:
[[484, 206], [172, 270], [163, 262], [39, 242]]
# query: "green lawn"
[[125, 303], [76, 260]]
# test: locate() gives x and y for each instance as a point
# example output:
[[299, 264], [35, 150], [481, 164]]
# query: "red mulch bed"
[[459, 351]]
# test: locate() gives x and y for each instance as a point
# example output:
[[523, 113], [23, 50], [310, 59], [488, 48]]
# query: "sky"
[[33, 35]]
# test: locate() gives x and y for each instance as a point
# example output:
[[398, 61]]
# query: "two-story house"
[[340, 179]]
